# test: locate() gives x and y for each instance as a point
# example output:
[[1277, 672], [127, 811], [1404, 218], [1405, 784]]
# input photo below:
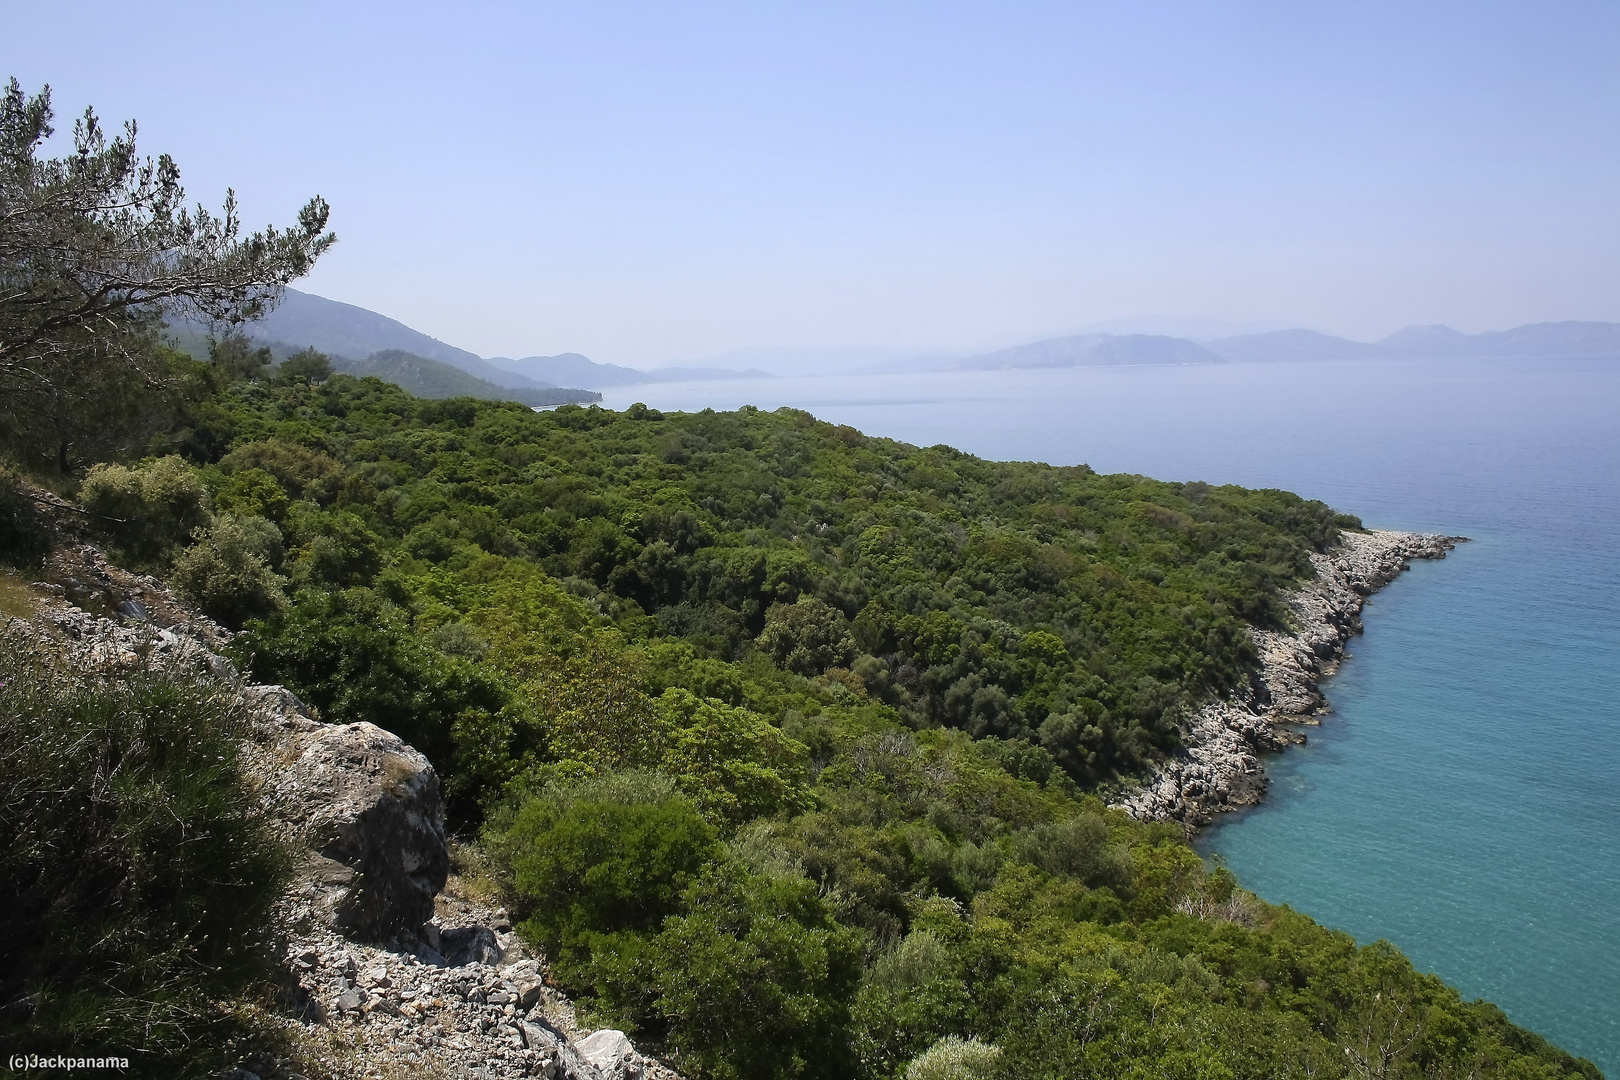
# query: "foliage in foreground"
[[1047, 937], [138, 875], [97, 248]]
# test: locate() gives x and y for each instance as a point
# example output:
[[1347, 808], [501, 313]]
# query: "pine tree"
[[97, 250]]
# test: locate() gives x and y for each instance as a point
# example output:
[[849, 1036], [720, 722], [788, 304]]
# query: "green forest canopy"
[[786, 739], [1054, 606]]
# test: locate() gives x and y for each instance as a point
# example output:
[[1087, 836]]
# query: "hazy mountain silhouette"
[[339, 329], [345, 330], [1091, 350], [1290, 345], [1427, 341], [432, 379], [572, 369], [1594, 339], [1548, 340]]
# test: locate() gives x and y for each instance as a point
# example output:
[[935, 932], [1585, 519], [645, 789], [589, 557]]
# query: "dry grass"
[[16, 596], [353, 1053], [473, 874]]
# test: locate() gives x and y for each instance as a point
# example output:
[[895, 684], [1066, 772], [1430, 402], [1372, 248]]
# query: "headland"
[[1219, 768]]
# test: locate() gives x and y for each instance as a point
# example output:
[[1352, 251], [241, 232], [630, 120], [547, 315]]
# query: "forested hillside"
[[1049, 606], [789, 745], [784, 741]]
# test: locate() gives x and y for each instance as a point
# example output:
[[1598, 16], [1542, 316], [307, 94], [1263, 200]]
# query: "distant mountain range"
[[337, 329], [1538, 340], [431, 368], [432, 379], [344, 331], [577, 370], [1091, 350]]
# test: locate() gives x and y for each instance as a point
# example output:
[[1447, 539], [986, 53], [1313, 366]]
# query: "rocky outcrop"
[[367, 807], [85, 585], [395, 977], [1219, 767], [613, 1055], [391, 1011], [391, 1008]]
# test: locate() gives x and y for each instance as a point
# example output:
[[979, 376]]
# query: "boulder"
[[610, 1051], [368, 807], [566, 1062], [471, 945]]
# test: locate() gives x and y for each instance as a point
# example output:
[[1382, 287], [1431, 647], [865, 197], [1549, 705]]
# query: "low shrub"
[[954, 1058], [148, 508], [755, 979], [227, 571], [604, 857], [139, 871]]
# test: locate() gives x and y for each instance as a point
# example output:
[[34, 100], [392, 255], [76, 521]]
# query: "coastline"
[[1219, 768]]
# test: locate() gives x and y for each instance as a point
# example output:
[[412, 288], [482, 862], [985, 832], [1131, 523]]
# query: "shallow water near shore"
[[1463, 798]]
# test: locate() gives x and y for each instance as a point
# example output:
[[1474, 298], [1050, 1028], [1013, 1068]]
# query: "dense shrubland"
[[788, 741], [1052, 607]]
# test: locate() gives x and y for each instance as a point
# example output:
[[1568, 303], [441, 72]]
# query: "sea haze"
[[1463, 799]]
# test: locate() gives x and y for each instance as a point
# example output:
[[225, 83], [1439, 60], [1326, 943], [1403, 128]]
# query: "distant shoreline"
[[1219, 768]]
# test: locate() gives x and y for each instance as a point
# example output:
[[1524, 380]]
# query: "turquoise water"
[[1463, 799]]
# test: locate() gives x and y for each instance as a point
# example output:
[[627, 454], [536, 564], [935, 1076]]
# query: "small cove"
[[1463, 799]]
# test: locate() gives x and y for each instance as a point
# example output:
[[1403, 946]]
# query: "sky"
[[650, 182]]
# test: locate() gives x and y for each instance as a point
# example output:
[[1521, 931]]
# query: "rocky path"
[[1220, 766], [481, 1010], [391, 975]]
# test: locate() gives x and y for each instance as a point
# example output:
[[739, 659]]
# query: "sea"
[[1462, 799]]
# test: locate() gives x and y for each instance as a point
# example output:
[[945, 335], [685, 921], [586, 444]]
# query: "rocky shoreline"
[[1219, 768]]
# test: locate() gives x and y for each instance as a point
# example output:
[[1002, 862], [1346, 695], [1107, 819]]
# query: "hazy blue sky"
[[643, 182]]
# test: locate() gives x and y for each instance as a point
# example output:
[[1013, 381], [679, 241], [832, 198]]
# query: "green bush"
[[807, 637], [954, 1058], [139, 873], [911, 996], [147, 509], [733, 763], [755, 979], [1078, 847], [252, 493], [227, 571], [594, 861], [299, 471]]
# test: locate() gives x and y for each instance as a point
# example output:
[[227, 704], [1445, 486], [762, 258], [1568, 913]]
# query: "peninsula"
[[1220, 767]]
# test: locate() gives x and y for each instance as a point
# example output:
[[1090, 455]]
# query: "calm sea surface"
[[1463, 799]]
